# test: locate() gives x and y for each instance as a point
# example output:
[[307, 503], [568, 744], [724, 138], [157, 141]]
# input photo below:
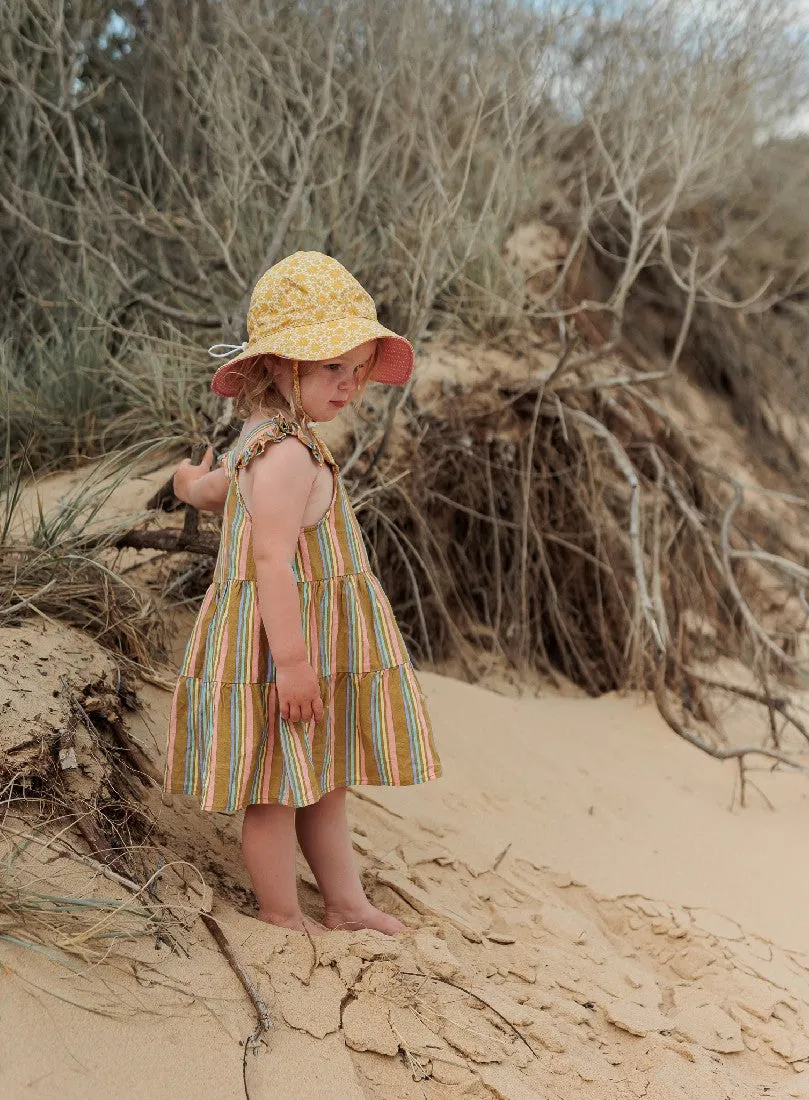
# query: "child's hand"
[[299, 692], [187, 473]]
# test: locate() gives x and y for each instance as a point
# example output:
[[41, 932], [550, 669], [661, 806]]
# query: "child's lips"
[[339, 404]]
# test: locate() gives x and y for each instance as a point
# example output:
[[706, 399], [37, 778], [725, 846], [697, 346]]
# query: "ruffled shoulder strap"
[[273, 430]]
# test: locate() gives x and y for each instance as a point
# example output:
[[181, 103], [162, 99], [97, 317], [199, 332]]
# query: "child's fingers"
[[311, 709], [204, 463], [289, 709], [206, 459], [314, 709], [303, 710]]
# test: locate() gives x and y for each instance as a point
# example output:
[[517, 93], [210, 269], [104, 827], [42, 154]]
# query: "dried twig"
[[477, 997]]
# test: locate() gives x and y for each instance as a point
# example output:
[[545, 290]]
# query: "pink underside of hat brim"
[[390, 370]]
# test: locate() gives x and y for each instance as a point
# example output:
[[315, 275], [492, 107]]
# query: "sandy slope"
[[527, 977], [591, 883]]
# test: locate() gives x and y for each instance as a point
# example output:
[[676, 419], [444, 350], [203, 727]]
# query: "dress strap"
[[273, 430]]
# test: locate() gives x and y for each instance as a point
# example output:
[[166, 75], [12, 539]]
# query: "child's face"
[[327, 385]]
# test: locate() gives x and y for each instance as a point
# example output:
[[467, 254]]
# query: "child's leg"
[[326, 843], [268, 846]]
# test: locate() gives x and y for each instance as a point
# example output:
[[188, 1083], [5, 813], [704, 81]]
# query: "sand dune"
[[586, 917]]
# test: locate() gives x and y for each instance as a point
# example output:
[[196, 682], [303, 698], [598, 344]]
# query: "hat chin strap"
[[297, 402], [298, 411]]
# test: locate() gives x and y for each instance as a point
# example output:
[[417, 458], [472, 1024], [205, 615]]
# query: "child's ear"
[[374, 358], [273, 366]]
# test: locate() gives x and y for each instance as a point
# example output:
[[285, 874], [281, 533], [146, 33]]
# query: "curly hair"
[[258, 390]]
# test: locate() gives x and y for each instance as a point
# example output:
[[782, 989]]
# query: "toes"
[[394, 926], [316, 929], [374, 919]]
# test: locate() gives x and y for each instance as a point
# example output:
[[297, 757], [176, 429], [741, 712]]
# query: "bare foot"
[[367, 917], [299, 922]]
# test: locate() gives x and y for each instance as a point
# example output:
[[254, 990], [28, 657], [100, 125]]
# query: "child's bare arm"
[[210, 491], [281, 479], [200, 486]]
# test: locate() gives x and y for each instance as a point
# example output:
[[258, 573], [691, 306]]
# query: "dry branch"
[[582, 547]]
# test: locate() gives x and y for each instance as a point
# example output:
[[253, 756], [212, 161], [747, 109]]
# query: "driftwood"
[[170, 541]]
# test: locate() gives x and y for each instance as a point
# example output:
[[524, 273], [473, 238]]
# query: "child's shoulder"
[[258, 432], [275, 425]]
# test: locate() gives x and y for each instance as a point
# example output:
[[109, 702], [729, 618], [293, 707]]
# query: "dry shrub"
[[407, 140], [684, 202], [399, 138], [517, 518], [63, 565], [568, 530], [74, 820], [746, 335], [81, 590]]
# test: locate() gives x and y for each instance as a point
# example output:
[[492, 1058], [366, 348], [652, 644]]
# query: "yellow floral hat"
[[308, 306]]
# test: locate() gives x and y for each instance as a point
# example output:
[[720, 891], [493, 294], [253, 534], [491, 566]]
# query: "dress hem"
[[434, 773], [323, 677]]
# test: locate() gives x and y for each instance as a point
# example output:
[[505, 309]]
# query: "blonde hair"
[[259, 391]]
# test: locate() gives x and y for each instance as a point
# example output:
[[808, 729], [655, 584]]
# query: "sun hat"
[[308, 306]]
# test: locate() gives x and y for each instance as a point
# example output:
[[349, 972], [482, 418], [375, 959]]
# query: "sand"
[[586, 917]]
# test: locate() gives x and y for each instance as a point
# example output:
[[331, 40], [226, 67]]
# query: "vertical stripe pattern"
[[227, 742]]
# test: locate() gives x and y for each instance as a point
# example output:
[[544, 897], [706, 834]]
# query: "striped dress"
[[227, 742]]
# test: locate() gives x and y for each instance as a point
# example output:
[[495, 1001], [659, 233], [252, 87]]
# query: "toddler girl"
[[296, 681]]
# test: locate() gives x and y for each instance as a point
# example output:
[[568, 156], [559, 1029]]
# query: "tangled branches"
[[574, 530]]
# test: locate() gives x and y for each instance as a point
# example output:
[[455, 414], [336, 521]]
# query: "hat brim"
[[394, 363]]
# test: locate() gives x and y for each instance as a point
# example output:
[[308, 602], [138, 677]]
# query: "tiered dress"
[[227, 742]]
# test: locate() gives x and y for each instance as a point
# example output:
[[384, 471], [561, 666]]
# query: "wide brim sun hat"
[[307, 307]]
